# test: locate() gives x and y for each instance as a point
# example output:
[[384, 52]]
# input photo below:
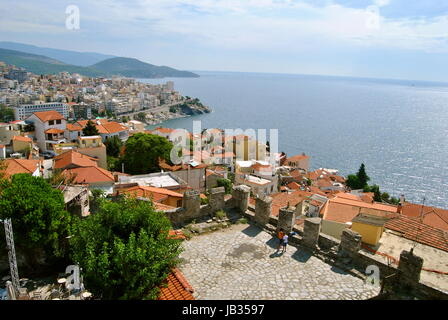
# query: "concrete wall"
[[333, 228], [98, 152]]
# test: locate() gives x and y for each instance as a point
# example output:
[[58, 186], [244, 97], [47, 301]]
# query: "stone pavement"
[[240, 263]]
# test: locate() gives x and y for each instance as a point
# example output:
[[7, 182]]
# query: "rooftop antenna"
[[11, 255], [419, 228]]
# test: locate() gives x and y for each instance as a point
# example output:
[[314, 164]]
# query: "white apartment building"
[[49, 128], [25, 110]]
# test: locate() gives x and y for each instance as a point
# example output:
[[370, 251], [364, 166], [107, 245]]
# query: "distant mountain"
[[130, 67], [127, 67], [43, 65], [69, 57]]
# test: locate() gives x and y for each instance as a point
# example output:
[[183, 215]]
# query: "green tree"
[[124, 250], [113, 146], [90, 129], [6, 113], [385, 197], [362, 176], [376, 192], [114, 164], [226, 183], [353, 182], [141, 116], [96, 199], [38, 215], [143, 151]]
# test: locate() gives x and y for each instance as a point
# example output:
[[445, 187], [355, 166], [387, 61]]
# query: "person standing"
[[284, 242], [280, 236]]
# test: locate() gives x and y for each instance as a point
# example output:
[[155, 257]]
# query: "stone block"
[[286, 219], [263, 209], [311, 231]]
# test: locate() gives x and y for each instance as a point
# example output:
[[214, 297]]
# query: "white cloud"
[[269, 25]]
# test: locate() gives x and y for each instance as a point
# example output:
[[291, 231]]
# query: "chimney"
[[402, 199]]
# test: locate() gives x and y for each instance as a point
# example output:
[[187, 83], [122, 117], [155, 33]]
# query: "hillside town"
[[237, 179], [78, 97]]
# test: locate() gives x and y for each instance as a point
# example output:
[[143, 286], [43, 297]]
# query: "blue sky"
[[402, 39]]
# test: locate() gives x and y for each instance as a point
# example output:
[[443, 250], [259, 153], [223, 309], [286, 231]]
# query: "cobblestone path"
[[241, 263]]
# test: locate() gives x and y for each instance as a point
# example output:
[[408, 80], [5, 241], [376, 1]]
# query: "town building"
[[49, 128], [24, 111]]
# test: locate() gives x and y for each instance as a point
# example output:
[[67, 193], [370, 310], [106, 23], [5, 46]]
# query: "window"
[[51, 122], [58, 121]]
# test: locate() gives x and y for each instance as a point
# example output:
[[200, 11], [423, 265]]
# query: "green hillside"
[[43, 65], [130, 67], [126, 67]]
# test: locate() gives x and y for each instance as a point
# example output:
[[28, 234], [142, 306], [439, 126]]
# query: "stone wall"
[[350, 243], [216, 199], [286, 219], [311, 231], [263, 209], [338, 252], [240, 196], [193, 210]]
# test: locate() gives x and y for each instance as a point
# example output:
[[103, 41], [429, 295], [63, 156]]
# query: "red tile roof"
[[73, 127], [434, 217], [344, 207], [45, 116], [89, 175], [298, 157], [113, 127], [20, 138], [177, 287], [293, 185], [163, 130], [14, 166], [73, 158], [157, 194], [54, 130], [414, 230], [281, 199]]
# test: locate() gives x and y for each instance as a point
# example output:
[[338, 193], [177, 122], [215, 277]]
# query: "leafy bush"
[[220, 214], [38, 215], [124, 249], [226, 183]]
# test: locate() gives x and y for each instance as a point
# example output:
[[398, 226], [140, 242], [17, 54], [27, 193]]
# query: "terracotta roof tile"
[[54, 130], [280, 200], [74, 159], [177, 287], [14, 166], [113, 127], [298, 157], [414, 230], [434, 217], [21, 138], [45, 116], [343, 208], [89, 175], [73, 127]]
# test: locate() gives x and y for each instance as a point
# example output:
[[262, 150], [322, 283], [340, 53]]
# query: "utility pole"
[[11, 255], [419, 229]]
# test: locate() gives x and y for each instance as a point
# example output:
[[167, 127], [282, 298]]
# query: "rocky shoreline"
[[175, 112]]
